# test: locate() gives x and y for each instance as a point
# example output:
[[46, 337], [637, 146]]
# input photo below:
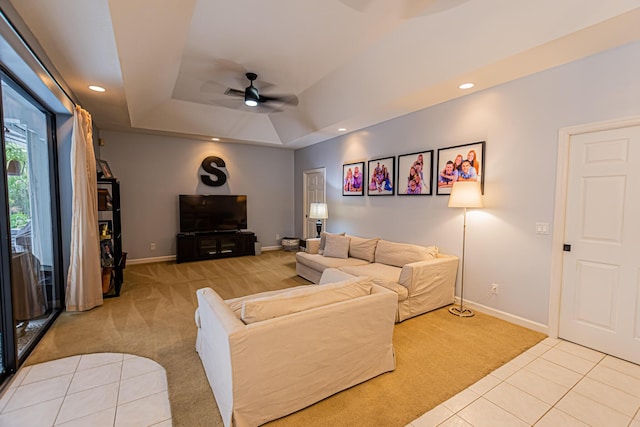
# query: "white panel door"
[[314, 192], [600, 302]]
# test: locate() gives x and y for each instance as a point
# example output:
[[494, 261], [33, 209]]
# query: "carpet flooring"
[[437, 354]]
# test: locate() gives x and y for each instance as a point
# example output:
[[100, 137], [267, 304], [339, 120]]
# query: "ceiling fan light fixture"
[[251, 96]]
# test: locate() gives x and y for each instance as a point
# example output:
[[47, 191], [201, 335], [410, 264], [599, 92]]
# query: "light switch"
[[542, 228]]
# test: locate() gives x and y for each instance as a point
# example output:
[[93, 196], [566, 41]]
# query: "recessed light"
[[97, 88], [466, 85], [215, 139], [342, 129]]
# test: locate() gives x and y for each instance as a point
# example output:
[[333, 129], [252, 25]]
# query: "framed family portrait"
[[415, 172], [353, 179], [103, 167], [460, 163], [106, 251], [381, 177]]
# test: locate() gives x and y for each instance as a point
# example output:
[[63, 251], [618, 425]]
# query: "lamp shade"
[[318, 211], [466, 194]]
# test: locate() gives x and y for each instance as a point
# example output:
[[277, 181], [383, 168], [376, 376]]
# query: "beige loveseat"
[[422, 278], [271, 354]]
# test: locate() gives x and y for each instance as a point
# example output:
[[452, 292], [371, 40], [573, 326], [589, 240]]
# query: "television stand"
[[214, 244]]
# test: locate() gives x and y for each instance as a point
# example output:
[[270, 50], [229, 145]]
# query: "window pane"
[[27, 149]]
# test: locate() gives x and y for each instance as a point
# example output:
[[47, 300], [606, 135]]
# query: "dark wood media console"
[[214, 244]]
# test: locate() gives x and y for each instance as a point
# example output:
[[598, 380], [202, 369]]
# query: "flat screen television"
[[200, 213]]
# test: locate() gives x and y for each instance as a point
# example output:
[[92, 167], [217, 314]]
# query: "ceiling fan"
[[253, 98]]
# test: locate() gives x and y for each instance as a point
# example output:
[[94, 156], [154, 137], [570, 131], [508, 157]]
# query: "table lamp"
[[318, 211]]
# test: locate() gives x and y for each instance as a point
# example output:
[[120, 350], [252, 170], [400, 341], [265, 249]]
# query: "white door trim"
[[562, 169], [305, 174]]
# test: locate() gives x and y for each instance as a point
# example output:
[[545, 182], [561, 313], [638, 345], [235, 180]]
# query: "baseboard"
[[173, 257], [150, 260], [535, 326]]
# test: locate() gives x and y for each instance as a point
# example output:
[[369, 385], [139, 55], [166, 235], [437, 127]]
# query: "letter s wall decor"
[[208, 165]]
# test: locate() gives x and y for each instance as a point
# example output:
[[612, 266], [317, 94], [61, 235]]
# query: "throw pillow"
[[337, 246], [323, 239], [362, 248], [300, 299]]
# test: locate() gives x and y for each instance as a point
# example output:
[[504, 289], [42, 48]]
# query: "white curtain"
[[84, 282]]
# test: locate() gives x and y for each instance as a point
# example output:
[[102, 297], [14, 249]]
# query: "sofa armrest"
[[424, 276], [313, 245], [217, 324]]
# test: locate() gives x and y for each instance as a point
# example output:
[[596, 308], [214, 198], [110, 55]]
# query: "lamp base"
[[460, 311], [319, 227]]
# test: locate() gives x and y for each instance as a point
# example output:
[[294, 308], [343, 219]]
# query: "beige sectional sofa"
[[271, 354], [422, 278]]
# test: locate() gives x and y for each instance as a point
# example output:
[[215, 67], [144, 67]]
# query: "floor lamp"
[[318, 211], [464, 194]]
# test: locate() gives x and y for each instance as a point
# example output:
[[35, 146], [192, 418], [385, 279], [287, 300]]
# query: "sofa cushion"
[[399, 254], [318, 262], [383, 275], [362, 248], [323, 240], [337, 246], [303, 298]]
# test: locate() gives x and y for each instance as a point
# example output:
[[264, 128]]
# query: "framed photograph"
[[106, 251], [353, 179], [415, 173], [460, 163], [381, 177], [105, 228], [105, 169]]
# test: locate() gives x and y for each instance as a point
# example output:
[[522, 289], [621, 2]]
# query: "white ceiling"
[[351, 63]]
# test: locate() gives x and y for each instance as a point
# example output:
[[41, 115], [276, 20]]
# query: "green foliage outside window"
[[20, 211]]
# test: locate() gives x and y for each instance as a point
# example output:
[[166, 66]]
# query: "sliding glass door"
[[30, 223]]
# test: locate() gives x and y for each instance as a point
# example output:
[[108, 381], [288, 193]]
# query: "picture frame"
[[353, 179], [105, 229], [106, 253], [381, 178], [407, 164], [105, 169], [458, 155]]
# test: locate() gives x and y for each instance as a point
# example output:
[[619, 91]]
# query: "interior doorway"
[[314, 191], [595, 292]]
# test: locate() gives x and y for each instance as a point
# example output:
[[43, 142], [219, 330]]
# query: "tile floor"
[[101, 389], [553, 384]]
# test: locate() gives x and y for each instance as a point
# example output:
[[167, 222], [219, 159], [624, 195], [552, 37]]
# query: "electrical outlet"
[[277, 237], [494, 288], [152, 246]]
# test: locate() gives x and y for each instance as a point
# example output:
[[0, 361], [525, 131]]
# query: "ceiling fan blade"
[[282, 99], [234, 92]]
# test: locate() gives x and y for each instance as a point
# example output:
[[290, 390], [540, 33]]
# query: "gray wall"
[[520, 122], [154, 170]]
